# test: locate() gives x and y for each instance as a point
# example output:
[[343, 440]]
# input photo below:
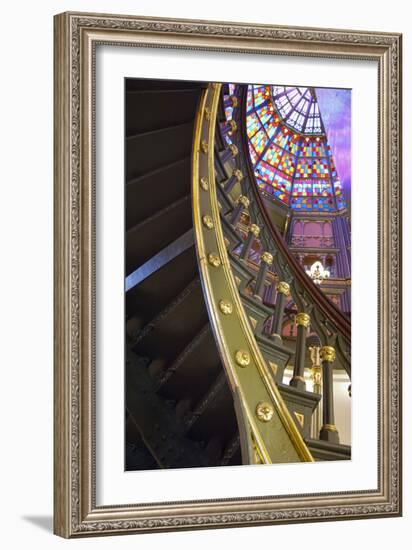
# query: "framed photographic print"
[[227, 274]]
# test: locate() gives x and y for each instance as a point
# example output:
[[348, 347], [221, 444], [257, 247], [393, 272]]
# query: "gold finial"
[[327, 353], [204, 146], [207, 221], [283, 288], [267, 258], [225, 307], [214, 259], [244, 200], [204, 184], [234, 149], [329, 427], [233, 125], [254, 229], [264, 411], [234, 101], [302, 319], [238, 174], [242, 358]]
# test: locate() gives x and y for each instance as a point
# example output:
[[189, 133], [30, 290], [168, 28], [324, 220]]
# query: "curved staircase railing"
[[272, 286], [268, 433]]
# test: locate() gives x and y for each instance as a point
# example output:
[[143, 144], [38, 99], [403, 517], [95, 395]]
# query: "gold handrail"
[[268, 433]]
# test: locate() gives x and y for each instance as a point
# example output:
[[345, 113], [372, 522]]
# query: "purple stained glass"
[[296, 147]]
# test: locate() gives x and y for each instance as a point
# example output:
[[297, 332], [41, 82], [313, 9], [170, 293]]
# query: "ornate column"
[[266, 260], [236, 176], [328, 431], [253, 233], [283, 290], [228, 153], [302, 321], [242, 203]]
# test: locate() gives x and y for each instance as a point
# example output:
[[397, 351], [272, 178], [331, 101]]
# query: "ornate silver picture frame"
[[77, 511]]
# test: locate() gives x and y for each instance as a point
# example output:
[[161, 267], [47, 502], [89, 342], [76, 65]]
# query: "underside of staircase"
[[179, 410]]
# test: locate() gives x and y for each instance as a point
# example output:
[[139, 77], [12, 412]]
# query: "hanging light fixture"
[[318, 273]]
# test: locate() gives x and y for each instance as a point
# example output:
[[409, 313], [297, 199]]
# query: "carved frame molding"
[[76, 36]]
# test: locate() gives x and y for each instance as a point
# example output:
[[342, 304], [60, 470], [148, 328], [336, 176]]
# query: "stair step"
[[171, 331], [323, 450], [152, 295], [153, 191], [303, 403], [160, 259], [243, 275], [145, 151], [155, 233], [223, 171], [234, 239], [214, 409], [156, 421], [149, 110], [225, 200], [275, 353], [196, 368], [256, 312]]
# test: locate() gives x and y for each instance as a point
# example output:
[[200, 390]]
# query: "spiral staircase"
[[205, 357]]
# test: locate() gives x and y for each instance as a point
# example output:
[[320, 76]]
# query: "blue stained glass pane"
[[249, 99], [253, 124], [264, 171], [340, 201], [320, 168], [282, 183], [273, 155], [304, 168], [259, 141], [264, 114], [322, 188], [259, 95], [302, 188], [253, 155]]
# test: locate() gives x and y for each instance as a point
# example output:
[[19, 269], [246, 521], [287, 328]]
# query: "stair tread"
[[154, 191], [150, 111], [169, 144], [149, 237], [157, 170], [177, 324], [195, 367], [160, 430], [150, 296], [158, 131]]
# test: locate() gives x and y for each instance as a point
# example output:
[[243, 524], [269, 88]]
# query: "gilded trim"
[[236, 339]]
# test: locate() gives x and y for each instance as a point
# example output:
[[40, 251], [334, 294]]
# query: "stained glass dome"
[[288, 146]]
